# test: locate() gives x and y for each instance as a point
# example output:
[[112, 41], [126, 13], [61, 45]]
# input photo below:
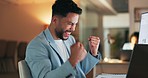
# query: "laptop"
[[138, 67], [125, 55], [126, 51]]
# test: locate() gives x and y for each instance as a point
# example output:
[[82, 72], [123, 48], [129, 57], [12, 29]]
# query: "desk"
[[112, 68]]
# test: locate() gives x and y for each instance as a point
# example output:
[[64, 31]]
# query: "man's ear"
[[54, 19]]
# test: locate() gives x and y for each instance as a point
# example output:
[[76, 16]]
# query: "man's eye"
[[70, 24]]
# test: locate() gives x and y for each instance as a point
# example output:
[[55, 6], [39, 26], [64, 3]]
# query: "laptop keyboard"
[[111, 76]]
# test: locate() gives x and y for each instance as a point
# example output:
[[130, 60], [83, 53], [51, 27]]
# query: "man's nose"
[[73, 28]]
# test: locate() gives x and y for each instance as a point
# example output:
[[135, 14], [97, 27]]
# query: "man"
[[54, 52]]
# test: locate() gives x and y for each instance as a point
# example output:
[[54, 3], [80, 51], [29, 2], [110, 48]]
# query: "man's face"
[[134, 40], [66, 25]]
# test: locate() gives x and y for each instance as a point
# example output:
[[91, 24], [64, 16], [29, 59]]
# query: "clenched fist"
[[94, 44], [78, 53]]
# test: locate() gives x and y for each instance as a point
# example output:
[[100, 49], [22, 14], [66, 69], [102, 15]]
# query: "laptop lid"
[[138, 67], [143, 35]]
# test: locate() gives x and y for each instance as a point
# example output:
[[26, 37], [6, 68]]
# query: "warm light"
[[45, 16], [46, 26], [45, 19], [42, 12], [108, 60]]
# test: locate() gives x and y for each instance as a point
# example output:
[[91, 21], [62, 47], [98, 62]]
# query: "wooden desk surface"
[[110, 68], [113, 68]]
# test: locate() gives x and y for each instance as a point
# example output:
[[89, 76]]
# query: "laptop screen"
[[138, 67], [143, 33]]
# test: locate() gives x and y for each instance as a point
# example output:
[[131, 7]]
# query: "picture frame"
[[138, 12]]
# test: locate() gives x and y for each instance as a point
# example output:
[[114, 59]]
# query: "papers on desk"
[[111, 76]]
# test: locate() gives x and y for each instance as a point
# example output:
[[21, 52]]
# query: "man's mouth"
[[67, 34]]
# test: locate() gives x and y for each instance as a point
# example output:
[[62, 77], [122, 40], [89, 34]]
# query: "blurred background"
[[21, 20]]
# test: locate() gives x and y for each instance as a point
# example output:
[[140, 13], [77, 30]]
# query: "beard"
[[60, 34]]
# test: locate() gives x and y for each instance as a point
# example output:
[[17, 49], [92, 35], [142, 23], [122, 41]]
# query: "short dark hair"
[[63, 7]]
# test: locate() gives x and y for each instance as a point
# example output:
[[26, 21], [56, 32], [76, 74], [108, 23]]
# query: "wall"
[[134, 26], [92, 19], [121, 20], [23, 22]]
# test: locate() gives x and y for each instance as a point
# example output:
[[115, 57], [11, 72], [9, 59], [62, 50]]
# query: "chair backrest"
[[3, 45], [24, 71], [21, 50]]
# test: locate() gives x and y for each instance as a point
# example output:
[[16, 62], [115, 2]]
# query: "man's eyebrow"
[[72, 23]]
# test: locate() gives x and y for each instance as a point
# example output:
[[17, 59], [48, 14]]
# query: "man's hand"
[[78, 53], [94, 44]]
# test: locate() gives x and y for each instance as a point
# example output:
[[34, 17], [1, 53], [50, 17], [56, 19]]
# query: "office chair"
[[21, 50], [24, 71]]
